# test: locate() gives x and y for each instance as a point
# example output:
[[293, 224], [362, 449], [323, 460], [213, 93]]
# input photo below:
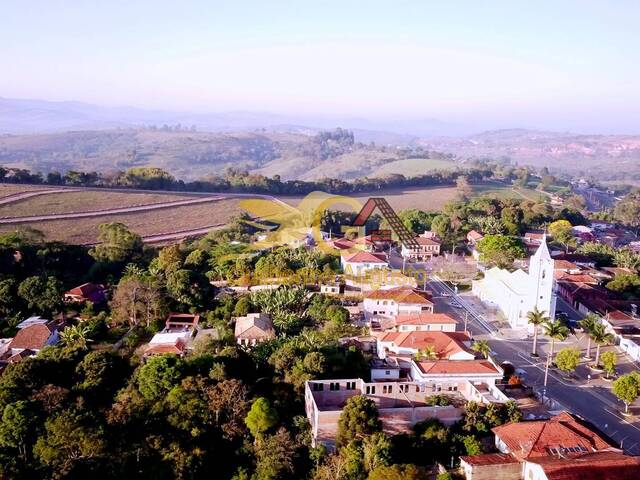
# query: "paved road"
[[591, 401]]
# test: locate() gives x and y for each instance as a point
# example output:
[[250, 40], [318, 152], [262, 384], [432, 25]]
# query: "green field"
[[413, 166]]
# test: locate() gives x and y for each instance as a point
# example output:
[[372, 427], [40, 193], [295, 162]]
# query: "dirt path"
[[15, 197], [110, 211]]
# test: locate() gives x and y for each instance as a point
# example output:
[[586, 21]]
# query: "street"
[[591, 400]]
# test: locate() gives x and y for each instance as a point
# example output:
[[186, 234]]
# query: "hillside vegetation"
[[190, 154]]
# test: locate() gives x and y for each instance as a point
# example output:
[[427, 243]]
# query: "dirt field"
[[71, 202], [7, 189], [85, 230]]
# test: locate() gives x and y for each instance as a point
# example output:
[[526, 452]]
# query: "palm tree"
[[556, 331], [75, 336], [536, 318], [427, 353], [601, 337], [482, 347], [587, 324]]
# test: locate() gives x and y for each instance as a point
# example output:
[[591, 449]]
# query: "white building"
[[517, 293], [359, 263], [396, 301]]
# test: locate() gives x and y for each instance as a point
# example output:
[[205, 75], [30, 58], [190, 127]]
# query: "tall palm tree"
[[600, 337], [587, 324], [536, 318], [555, 331], [482, 347]]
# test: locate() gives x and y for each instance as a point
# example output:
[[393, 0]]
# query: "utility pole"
[[466, 319]]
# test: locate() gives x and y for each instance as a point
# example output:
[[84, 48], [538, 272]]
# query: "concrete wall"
[[507, 471]]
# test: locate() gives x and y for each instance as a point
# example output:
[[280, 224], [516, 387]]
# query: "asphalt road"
[[586, 399]]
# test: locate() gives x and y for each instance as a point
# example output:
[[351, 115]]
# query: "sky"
[[569, 65]]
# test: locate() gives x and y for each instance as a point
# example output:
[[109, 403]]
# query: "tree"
[[628, 210], [416, 221], [75, 336], [69, 440], [396, 472], [625, 283], [482, 347], [600, 337], [376, 451], [101, 372], [261, 417], [568, 359], [609, 360], [159, 375], [536, 318], [561, 231], [500, 250], [627, 388], [42, 294], [275, 456], [555, 331], [17, 428], [427, 353], [587, 324], [358, 419], [118, 244], [136, 299]]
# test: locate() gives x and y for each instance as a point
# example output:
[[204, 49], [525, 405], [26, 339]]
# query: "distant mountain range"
[[44, 135]]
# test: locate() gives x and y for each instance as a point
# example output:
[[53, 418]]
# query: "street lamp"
[[546, 377]]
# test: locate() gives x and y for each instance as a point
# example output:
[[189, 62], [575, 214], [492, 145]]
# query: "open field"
[[413, 166], [7, 189], [190, 217], [74, 201]]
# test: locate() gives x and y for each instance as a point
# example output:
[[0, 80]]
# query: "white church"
[[517, 293]]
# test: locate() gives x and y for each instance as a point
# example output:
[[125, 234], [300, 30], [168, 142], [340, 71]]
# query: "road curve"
[[16, 197], [110, 211]]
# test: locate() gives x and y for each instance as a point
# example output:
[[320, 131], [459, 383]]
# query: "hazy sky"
[[550, 64]]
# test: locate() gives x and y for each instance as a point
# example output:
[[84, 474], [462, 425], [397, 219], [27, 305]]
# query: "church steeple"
[[542, 253]]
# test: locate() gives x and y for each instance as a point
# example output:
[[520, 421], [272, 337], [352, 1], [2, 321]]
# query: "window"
[[371, 390], [387, 372], [318, 387], [384, 302], [404, 388], [351, 385], [387, 389], [334, 386]]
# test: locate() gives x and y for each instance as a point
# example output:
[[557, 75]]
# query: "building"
[[473, 237], [330, 288], [440, 375], [424, 250], [446, 345], [561, 448], [87, 292], [177, 322], [395, 301], [176, 343], [517, 293], [424, 321], [253, 328], [32, 338], [361, 262]]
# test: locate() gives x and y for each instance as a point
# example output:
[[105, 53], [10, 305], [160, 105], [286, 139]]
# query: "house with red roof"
[[253, 328], [473, 237], [562, 448], [361, 262], [425, 249], [87, 292], [446, 345], [396, 301], [33, 338], [424, 321]]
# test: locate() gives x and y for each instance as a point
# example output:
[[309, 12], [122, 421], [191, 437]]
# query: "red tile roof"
[[427, 241], [365, 257], [535, 438], [400, 295], [458, 367], [475, 235], [183, 318], [163, 348], [591, 466], [33, 337], [489, 459], [424, 318], [444, 343], [565, 265]]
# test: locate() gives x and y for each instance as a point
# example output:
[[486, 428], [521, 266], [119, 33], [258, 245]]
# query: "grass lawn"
[[70, 201], [85, 230]]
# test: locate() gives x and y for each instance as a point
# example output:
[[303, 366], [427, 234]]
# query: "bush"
[[438, 400]]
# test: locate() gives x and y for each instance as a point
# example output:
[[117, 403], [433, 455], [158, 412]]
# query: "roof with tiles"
[[536, 438], [489, 459], [458, 367], [400, 295], [591, 466], [365, 257], [33, 337], [444, 343], [424, 319]]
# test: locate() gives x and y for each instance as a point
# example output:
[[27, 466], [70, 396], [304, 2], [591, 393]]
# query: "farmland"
[[85, 230], [77, 201]]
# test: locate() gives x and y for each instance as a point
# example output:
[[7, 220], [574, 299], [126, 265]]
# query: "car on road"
[[455, 304]]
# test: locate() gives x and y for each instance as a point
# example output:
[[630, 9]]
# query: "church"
[[517, 293]]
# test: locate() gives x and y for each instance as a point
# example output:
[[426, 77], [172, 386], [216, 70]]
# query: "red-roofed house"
[[34, 338], [426, 249], [396, 301], [253, 328], [556, 449], [358, 263], [447, 345], [87, 292], [474, 237], [424, 321]]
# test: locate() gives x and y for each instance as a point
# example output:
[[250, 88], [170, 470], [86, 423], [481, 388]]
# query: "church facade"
[[517, 293]]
